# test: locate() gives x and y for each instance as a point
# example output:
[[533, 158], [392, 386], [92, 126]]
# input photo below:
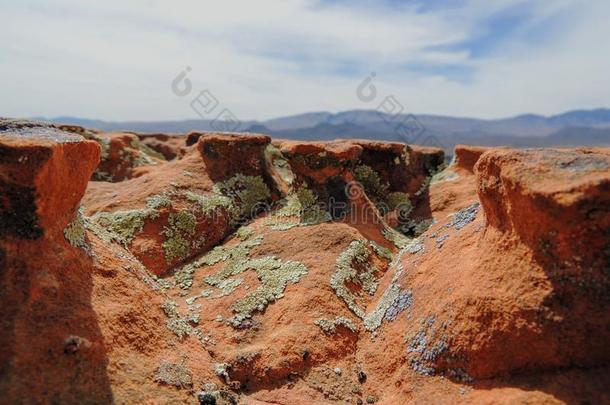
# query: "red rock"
[[287, 311]]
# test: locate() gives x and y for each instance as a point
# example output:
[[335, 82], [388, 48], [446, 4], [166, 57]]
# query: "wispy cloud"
[[115, 59]]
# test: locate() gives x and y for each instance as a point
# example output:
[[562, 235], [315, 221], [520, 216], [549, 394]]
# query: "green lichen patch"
[[301, 209], [180, 325], [399, 201], [244, 233], [174, 374], [397, 238], [122, 226], [75, 231], [353, 266], [381, 251], [158, 201], [370, 180], [179, 234], [247, 192], [211, 202], [379, 192], [184, 275], [146, 155], [329, 326], [274, 275]]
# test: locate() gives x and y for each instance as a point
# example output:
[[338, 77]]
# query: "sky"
[[135, 60]]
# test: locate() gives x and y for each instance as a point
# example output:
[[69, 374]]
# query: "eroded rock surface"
[[240, 269]]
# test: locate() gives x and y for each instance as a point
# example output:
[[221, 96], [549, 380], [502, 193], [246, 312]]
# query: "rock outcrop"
[[240, 269]]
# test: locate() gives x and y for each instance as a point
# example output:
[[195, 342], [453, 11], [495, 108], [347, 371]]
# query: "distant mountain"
[[580, 127]]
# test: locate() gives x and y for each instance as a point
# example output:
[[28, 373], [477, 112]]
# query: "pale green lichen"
[[158, 201], [174, 374], [176, 323], [179, 235], [247, 192], [329, 326], [353, 266], [274, 275], [146, 155], [349, 268], [184, 275], [370, 180], [75, 231], [397, 238], [122, 226], [401, 201], [244, 233], [279, 164], [381, 251], [211, 202], [301, 209], [379, 192]]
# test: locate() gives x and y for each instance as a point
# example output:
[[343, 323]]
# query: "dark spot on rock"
[[337, 198], [18, 212], [73, 344], [305, 353], [361, 376], [205, 398]]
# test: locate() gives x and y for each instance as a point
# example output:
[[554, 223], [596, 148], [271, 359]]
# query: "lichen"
[[244, 233], [247, 192], [158, 201], [465, 216], [353, 266], [184, 275], [122, 226], [398, 239], [329, 326], [274, 275], [179, 234], [174, 374], [75, 231], [399, 201], [423, 352], [348, 268], [146, 155], [176, 323], [211, 202], [371, 180], [301, 209], [400, 304]]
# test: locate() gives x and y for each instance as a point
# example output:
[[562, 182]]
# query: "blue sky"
[[116, 60]]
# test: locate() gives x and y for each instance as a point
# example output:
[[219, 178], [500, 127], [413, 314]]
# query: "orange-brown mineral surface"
[[216, 268]]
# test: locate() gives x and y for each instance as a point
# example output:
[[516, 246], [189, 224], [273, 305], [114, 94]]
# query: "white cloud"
[[116, 59]]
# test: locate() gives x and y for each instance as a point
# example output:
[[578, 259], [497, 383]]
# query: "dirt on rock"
[[221, 268]]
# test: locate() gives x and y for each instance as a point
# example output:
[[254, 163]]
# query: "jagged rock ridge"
[[237, 268]]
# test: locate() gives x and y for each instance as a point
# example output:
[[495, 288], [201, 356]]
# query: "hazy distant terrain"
[[574, 128]]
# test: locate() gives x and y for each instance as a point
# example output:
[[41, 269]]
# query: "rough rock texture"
[[246, 270]]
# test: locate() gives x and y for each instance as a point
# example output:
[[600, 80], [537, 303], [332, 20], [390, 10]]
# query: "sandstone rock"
[[122, 155], [171, 146], [221, 275], [466, 156], [509, 296]]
